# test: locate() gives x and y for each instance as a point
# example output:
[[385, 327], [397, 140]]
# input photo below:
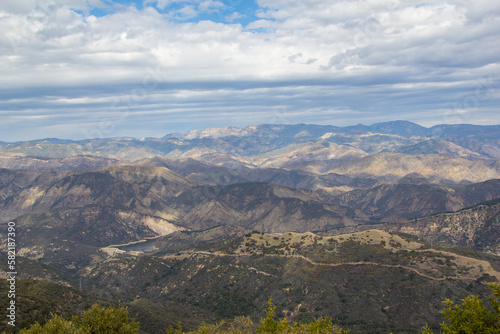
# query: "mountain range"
[[94, 209]]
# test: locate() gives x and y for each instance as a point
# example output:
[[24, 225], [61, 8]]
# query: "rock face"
[[477, 227]]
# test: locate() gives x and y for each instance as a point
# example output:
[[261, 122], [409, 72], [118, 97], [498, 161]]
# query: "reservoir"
[[145, 246]]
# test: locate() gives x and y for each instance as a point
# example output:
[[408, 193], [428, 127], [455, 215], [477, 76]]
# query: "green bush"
[[56, 325], [96, 320], [268, 325], [472, 316]]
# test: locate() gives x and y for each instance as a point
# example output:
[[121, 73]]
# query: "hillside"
[[416, 197], [477, 227], [115, 186], [37, 300], [370, 281], [23, 161], [65, 216], [434, 166], [433, 146]]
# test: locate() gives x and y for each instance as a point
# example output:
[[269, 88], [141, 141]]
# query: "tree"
[[56, 325], [96, 320], [99, 320], [472, 316], [113, 320], [269, 325]]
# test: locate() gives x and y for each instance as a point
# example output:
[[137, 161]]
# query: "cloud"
[[210, 6], [233, 16], [379, 59]]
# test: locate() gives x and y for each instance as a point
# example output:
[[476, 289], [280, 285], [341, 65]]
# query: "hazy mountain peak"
[[215, 132], [404, 128]]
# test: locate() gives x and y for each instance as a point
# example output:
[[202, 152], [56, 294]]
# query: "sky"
[[82, 69]]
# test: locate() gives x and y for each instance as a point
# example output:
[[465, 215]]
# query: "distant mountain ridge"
[[280, 134], [401, 128], [445, 153]]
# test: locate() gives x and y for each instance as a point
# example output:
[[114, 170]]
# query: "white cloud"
[[185, 13], [234, 16], [210, 6], [346, 46], [322, 31]]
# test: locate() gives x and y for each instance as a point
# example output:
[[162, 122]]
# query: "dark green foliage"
[[472, 316], [99, 320], [56, 325], [268, 325], [363, 298], [36, 300], [96, 320], [154, 317]]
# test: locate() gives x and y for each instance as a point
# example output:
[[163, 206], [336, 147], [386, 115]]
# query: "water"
[[145, 246]]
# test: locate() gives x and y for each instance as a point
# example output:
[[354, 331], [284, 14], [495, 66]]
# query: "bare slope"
[[477, 227]]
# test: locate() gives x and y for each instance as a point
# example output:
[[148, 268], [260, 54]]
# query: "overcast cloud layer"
[[88, 68]]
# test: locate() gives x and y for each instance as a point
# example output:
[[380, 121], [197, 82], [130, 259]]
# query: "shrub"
[[56, 325], [96, 320], [472, 316], [268, 325]]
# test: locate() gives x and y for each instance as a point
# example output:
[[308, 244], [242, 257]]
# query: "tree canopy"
[[96, 320], [472, 316]]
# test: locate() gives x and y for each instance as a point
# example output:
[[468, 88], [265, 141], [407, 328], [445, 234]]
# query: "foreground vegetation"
[[243, 325], [472, 316], [96, 320]]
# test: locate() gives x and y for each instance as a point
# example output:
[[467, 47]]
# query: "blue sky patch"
[[227, 11]]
